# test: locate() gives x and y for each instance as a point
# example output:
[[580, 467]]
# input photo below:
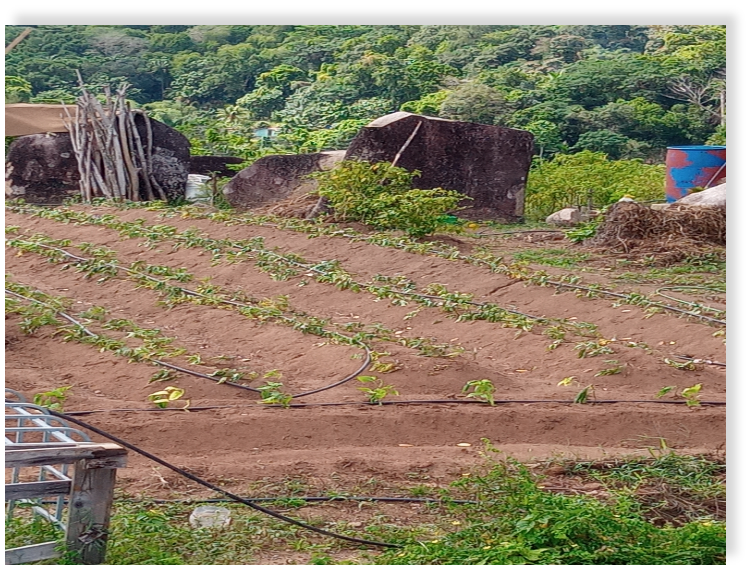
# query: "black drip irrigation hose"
[[366, 363], [690, 303], [213, 487], [699, 360], [314, 500], [483, 234], [314, 268], [389, 403], [335, 498], [622, 296], [340, 382]]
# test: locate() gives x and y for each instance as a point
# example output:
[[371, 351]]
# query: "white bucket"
[[196, 190]]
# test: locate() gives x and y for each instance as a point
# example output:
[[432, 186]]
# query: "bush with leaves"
[[571, 180], [382, 196]]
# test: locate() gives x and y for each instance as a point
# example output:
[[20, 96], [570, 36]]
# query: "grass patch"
[[517, 521], [552, 257]]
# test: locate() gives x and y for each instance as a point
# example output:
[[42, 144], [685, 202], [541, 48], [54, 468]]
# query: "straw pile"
[[676, 232], [295, 206]]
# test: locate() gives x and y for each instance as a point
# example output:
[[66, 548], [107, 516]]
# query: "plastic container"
[[692, 167], [208, 516], [196, 190]]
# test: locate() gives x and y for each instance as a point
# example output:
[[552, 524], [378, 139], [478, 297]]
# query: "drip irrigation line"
[[622, 296], [690, 303], [217, 489], [384, 403], [699, 360], [314, 500], [64, 315], [314, 268], [681, 287], [336, 498], [76, 323], [483, 234], [366, 363]]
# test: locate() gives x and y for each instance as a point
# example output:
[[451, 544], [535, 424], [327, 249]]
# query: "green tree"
[[429, 104], [605, 141], [476, 103], [17, 90]]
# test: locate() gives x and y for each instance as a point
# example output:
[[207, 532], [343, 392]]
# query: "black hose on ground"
[[213, 487]]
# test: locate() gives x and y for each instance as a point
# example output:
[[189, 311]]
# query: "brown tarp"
[[31, 119]]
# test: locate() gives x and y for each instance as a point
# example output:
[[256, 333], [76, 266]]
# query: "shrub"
[[381, 195], [568, 180]]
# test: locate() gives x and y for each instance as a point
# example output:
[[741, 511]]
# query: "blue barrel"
[[691, 167]]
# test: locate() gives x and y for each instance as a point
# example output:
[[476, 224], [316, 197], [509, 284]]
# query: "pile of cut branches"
[[113, 161], [630, 227]]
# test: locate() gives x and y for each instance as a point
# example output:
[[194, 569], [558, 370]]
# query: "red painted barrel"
[[691, 167]]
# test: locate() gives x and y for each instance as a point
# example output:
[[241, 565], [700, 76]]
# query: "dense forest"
[[625, 91]]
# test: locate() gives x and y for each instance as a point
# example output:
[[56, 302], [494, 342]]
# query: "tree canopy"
[[625, 91]]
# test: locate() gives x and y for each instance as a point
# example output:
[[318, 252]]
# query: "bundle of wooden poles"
[[113, 161]]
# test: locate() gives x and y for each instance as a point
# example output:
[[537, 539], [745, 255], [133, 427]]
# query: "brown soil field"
[[336, 438]]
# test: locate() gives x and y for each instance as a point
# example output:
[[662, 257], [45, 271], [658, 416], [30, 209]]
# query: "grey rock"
[[565, 218]]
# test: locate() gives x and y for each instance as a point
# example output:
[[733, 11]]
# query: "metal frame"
[[24, 423]]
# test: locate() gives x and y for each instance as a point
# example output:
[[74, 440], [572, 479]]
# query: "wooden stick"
[[101, 140], [141, 157], [18, 40], [149, 145], [122, 111], [406, 144], [73, 133]]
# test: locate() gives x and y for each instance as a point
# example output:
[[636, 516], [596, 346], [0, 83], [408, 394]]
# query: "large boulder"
[[207, 165], [42, 169], [276, 177], [487, 163]]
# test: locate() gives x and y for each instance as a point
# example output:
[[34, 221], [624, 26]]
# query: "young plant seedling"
[[482, 390], [162, 376], [53, 399], [376, 390], [690, 394], [271, 393], [162, 398], [584, 396], [616, 368]]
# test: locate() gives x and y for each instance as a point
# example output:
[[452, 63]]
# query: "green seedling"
[[273, 374], [617, 368], [691, 394], [664, 390], [271, 393], [592, 348], [584, 396], [162, 376], [163, 398], [52, 399], [688, 365], [384, 367], [482, 390], [377, 390]]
